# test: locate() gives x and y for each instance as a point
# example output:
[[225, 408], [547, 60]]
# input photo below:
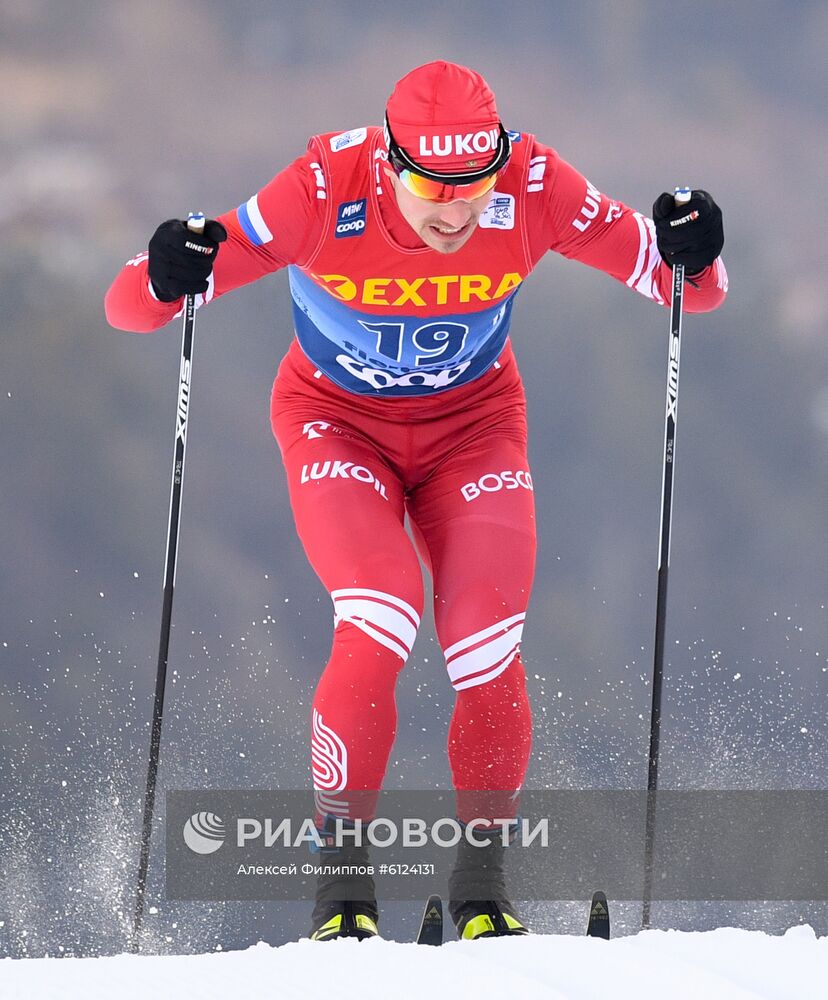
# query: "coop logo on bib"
[[350, 219]]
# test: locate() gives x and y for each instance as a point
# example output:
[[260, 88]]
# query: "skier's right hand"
[[180, 261]]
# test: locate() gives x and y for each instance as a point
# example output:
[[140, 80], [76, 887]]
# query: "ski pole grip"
[[681, 195], [195, 222]]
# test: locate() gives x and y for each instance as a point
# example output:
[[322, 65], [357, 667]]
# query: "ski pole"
[[682, 196], [195, 224]]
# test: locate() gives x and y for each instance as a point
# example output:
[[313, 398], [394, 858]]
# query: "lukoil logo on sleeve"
[[350, 218]]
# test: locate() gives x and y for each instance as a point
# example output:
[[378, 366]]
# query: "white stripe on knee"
[[389, 620], [485, 655]]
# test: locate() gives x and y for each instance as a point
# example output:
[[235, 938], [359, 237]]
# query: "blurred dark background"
[[115, 116]]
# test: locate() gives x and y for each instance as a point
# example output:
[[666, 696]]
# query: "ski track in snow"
[[725, 964]]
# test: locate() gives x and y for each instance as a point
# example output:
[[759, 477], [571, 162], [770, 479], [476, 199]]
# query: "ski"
[[431, 926], [598, 924]]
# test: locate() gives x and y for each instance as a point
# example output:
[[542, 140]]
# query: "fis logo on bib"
[[350, 218], [353, 137], [500, 213]]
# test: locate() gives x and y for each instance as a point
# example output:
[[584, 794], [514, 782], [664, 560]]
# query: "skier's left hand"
[[689, 234]]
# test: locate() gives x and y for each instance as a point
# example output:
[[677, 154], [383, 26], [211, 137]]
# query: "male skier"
[[405, 248]]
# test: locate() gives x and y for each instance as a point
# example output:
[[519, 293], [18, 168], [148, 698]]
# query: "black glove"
[[180, 261], [689, 234]]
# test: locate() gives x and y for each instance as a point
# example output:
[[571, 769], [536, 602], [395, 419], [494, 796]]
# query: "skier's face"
[[444, 226]]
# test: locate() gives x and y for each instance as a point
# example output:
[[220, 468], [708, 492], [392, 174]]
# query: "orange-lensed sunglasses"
[[433, 186]]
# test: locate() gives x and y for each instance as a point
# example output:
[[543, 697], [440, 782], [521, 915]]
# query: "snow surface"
[[725, 963]]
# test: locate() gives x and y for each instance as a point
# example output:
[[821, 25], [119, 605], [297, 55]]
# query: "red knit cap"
[[445, 118]]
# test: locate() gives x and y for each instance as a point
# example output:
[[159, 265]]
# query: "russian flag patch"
[[252, 222]]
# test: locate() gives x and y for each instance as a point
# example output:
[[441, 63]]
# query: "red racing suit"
[[400, 395]]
